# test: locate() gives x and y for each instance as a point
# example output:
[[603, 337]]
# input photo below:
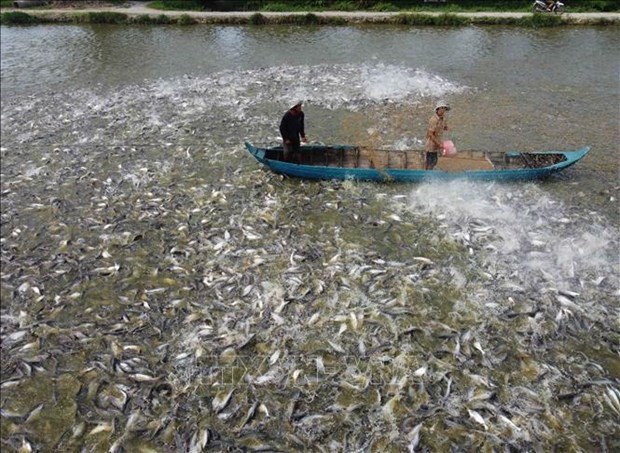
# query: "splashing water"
[[398, 84], [525, 234]]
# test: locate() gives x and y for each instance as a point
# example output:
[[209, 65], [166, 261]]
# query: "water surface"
[[161, 290]]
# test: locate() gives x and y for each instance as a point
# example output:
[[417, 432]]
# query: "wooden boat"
[[366, 164]]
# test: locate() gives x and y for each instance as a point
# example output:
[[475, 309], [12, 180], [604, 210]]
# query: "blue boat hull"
[[317, 171]]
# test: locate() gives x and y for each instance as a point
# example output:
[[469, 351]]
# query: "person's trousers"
[[291, 150], [431, 159]]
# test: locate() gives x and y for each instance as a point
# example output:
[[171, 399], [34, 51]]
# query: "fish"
[[221, 400], [25, 446], [414, 438], [478, 346], [336, 347], [140, 377], [34, 414], [215, 306], [612, 398], [199, 440], [566, 302], [249, 415], [477, 418], [508, 423], [100, 428]]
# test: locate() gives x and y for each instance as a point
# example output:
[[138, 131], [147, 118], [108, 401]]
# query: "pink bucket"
[[448, 148]]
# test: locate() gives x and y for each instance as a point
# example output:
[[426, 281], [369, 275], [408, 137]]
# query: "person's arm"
[[302, 130]]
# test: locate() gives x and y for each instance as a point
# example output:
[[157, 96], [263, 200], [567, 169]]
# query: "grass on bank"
[[450, 6], [21, 18], [446, 20]]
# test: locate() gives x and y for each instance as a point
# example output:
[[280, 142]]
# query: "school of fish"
[[161, 292]]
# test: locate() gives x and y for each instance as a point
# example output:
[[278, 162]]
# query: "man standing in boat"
[[293, 133], [434, 134]]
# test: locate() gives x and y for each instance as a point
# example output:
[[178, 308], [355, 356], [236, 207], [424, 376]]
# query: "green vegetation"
[[452, 20], [427, 19], [384, 7], [450, 6], [21, 18], [186, 19], [307, 19], [17, 18], [411, 12], [161, 19], [276, 8], [345, 5], [106, 17], [143, 19], [413, 19], [258, 19], [178, 5], [541, 20]]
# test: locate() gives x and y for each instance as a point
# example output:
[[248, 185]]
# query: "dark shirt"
[[292, 126]]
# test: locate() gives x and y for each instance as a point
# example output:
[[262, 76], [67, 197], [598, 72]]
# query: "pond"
[[162, 292]]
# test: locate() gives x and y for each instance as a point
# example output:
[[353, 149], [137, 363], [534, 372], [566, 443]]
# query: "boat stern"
[[575, 156], [257, 153], [581, 153]]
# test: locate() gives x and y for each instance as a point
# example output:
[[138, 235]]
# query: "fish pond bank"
[[138, 13]]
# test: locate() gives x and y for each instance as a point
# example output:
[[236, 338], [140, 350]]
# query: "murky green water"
[[162, 292]]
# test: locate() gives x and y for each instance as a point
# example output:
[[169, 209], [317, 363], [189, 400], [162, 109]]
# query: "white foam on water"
[[336, 86], [165, 106], [330, 86], [523, 233], [398, 83]]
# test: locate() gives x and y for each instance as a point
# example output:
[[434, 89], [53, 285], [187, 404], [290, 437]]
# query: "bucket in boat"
[[448, 148]]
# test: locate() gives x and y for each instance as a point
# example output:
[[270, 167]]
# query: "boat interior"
[[362, 157]]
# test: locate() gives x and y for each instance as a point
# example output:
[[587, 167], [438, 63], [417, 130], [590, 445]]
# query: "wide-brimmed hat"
[[441, 104]]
